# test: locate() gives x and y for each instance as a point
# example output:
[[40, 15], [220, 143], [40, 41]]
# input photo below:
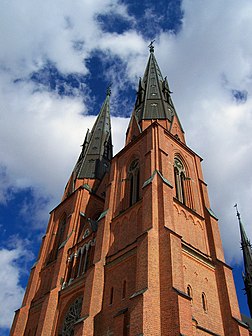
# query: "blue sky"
[[56, 60]]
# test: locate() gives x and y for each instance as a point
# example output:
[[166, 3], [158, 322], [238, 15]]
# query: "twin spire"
[[153, 102]]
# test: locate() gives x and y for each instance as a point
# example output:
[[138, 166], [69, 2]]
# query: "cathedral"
[[133, 248]]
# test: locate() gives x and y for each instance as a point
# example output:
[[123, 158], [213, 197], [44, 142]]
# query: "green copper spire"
[[247, 259], [96, 153], [153, 96]]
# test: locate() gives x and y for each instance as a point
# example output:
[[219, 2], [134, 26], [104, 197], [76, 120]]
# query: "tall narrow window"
[[179, 176], [189, 291], [124, 290], [204, 302], [69, 268], [88, 259], [83, 260], [111, 295], [61, 230], [77, 264], [134, 178]]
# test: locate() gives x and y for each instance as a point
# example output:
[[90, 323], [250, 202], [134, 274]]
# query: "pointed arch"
[[182, 181], [71, 316], [204, 302], [189, 291]]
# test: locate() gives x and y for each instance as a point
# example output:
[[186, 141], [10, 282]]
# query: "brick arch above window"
[[182, 182], [72, 315]]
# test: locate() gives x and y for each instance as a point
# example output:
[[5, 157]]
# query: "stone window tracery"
[[182, 183], [179, 175], [72, 315], [79, 262]]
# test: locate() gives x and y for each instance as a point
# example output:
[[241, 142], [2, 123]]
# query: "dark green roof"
[[154, 95], [96, 154]]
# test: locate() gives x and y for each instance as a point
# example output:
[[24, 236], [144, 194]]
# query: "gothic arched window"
[[134, 179], [179, 176], [204, 302], [189, 291], [72, 315], [182, 183]]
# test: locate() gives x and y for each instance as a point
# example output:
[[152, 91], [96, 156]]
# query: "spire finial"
[[151, 46], [108, 92], [237, 212]]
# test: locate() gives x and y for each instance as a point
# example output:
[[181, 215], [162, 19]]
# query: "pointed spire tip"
[[151, 46], [237, 212], [108, 92]]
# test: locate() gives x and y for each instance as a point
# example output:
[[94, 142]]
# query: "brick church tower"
[[134, 247]]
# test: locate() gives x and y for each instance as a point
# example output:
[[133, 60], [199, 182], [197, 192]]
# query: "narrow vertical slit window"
[[176, 179], [111, 298], [69, 268], [83, 260], [61, 230], [77, 265], [189, 291], [182, 178], [204, 302], [134, 182], [124, 289]]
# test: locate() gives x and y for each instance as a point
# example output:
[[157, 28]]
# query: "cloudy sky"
[[56, 60]]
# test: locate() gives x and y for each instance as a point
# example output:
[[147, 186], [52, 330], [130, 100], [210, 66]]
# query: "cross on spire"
[[151, 46]]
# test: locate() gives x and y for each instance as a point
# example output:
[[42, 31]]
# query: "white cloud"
[[12, 262], [32, 32]]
